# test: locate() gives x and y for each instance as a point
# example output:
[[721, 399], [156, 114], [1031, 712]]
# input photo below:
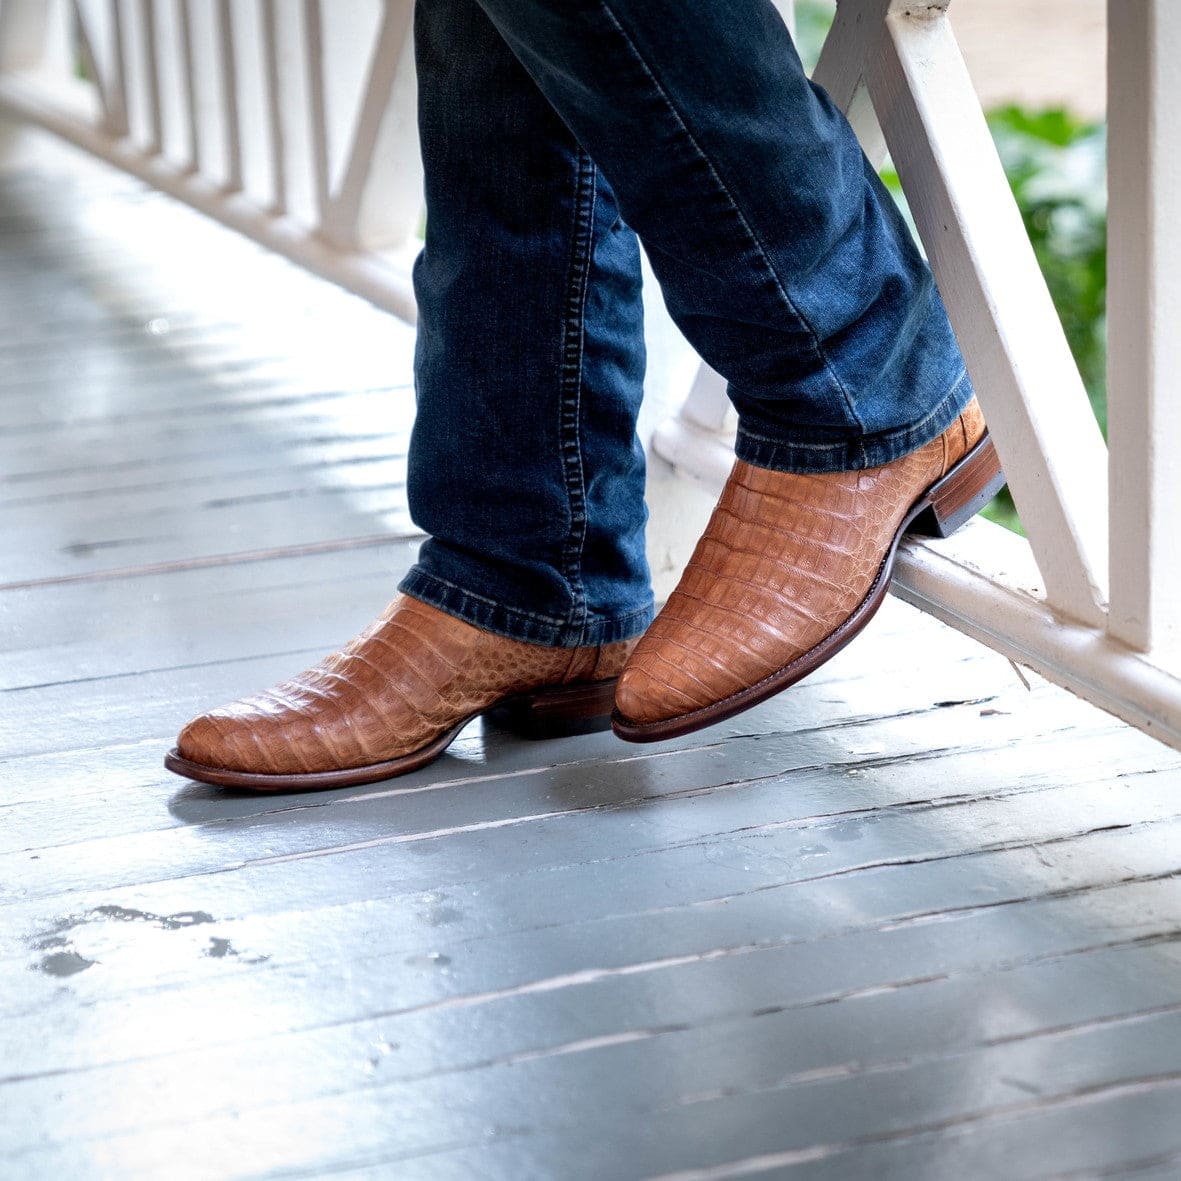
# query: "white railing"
[[292, 128], [264, 115]]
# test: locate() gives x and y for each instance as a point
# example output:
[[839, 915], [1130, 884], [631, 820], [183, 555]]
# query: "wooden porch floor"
[[910, 919]]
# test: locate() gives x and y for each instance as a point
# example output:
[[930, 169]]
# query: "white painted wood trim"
[[313, 41], [1012, 340], [110, 120], [189, 83], [228, 73], [365, 274], [1144, 322], [957, 581], [851, 43], [120, 106], [151, 75], [363, 158], [274, 91], [24, 29]]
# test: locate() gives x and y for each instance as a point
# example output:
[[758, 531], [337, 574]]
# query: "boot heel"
[[962, 493], [558, 711]]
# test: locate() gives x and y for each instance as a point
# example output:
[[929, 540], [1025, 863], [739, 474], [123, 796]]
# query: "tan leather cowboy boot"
[[393, 700], [790, 568]]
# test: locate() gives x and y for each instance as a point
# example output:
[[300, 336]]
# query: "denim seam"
[[570, 381], [901, 432], [516, 623], [781, 455], [552, 620], [754, 238]]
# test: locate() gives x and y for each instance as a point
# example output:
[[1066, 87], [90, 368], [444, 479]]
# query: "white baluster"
[[120, 109], [231, 116], [151, 63], [1144, 314], [189, 85], [276, 139], [313, 33]]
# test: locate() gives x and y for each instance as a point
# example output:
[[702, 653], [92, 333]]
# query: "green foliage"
[[813, 20], [1056, 166]]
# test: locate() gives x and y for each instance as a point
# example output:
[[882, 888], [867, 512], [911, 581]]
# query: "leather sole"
[[947, 504], [552, 712]]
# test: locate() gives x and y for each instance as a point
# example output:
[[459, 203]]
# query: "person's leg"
[[779, 252], [525, 469], [787, 265]]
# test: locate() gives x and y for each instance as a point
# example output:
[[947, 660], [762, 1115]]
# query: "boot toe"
[[212, 741], [642, 698]]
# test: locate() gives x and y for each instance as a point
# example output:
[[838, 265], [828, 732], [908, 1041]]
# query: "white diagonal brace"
[[1013, 343], [851, 42]]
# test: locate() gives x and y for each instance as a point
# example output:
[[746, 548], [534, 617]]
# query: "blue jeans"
[[556, 132]]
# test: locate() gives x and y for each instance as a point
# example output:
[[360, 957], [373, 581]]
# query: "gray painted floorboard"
[[911, 919]]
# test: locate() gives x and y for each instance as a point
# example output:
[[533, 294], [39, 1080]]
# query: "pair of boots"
[[790, 567]]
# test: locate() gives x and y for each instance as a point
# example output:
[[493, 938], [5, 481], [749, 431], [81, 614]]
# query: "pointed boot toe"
[[392, 701], [791, 566]]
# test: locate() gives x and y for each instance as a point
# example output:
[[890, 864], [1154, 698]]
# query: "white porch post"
[[24, 30], [1144, 321]]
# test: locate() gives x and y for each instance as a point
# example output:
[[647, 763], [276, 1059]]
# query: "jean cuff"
[[861, 451], [517, 624]]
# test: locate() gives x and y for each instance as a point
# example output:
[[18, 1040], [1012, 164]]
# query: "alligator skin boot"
[[790, 568], [392, 700]]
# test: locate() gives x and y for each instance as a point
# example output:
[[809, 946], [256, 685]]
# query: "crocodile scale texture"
[[410, 677], [785, 560]]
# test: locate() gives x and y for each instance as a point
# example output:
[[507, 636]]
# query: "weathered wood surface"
[[910, 919]]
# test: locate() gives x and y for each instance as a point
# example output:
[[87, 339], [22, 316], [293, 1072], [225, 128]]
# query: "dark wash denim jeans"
[[554, 132]]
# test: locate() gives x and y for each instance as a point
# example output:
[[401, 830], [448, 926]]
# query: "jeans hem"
[[865, 451], [517, 624]]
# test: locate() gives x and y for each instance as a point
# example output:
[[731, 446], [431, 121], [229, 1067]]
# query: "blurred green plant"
[[1056, 165], [813, 20]]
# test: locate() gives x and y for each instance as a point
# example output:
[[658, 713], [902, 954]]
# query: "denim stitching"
[[550, 619], [755, 240], [522, 625], [901, 432], [776, 454], [577, 284]]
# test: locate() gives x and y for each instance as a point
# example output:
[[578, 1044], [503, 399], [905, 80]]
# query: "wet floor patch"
[[64, 963], [166, 922], [63, 960]]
